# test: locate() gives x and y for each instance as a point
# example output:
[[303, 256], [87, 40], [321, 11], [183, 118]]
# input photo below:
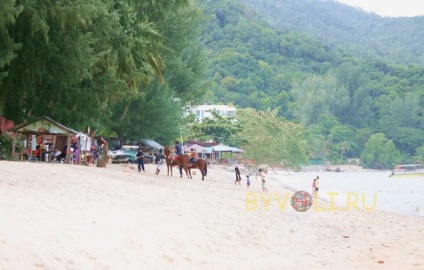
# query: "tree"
[[89, 63], [320, 95], [406, 139], [380, 153], [317, 145], [419, 155], [271, 139], [218, 129], [154, 115], [173, 44], [59, 62], [404, 111], [9, 11]]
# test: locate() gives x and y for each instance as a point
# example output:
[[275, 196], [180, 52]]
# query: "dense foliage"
[[131, 67], [270, 139], [220, 129], [103, 64], [263, 136], [341, 100], [366, 35], [380, 152]]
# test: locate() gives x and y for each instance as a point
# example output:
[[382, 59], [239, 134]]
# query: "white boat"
[[410, 170]]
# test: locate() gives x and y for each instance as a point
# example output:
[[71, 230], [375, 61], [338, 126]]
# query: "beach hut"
[[221, 148], [212, 151], [53, 133], [203, 151]]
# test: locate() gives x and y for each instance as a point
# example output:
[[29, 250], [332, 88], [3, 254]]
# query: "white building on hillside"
[[205, 111]]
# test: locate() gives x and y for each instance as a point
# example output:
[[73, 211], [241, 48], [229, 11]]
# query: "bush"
[[6, 146]]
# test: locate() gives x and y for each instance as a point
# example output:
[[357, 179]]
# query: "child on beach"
[[262, 174], [238, 177], [264, 189], [247, 181], [313, 186], [316, 186]]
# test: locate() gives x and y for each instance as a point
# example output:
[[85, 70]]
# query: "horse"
[[180, 161], [201, 165]]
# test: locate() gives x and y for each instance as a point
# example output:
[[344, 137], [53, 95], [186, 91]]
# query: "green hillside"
[[337, 96], [365, 34], [127, 69]]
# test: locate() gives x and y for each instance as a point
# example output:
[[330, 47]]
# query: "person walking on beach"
[[160, 159], [238, 177], [247, 181], [316, 186], [140, 160]]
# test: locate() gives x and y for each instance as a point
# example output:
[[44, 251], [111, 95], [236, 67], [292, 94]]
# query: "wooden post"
[[68, 148], [14, 145]]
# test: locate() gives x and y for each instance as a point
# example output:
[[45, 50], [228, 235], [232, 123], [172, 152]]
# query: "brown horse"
[[180, 161], [201, 165]]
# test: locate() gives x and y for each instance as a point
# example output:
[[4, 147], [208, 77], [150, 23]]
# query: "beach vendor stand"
[[49, 132]]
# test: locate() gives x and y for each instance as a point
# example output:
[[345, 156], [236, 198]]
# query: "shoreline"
[[393, 195], [58, 216]]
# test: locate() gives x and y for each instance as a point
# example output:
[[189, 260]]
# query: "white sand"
[[56, 216]]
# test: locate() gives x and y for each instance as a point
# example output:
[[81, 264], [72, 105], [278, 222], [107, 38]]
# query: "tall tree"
[[60, 62], [320, 95], [180, 69], [155, 115], [218, 129], [271, 139], [380, 153], [9, 11]]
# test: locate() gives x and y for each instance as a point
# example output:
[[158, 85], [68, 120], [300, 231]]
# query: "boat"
[[410, 170]]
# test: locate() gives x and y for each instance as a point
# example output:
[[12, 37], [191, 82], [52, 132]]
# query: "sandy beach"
[[57, 216]]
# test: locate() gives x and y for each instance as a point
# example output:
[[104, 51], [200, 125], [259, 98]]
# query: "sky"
[[389, 8]]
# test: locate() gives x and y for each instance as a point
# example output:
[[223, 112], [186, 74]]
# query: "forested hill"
[[254, 65], [365, 34]]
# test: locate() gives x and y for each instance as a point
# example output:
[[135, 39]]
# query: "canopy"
[[226, 148], [152, 144]]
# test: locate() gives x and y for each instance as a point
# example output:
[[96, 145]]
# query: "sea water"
[[398, 195]]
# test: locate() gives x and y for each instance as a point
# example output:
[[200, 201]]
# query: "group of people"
[[84, 157], [159, 160], [261, 174], [315, 183], [76, 157], [40, 149], [193, 156]]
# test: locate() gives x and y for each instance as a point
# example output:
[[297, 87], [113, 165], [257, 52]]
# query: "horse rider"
[[178, 151], [193, 155]]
